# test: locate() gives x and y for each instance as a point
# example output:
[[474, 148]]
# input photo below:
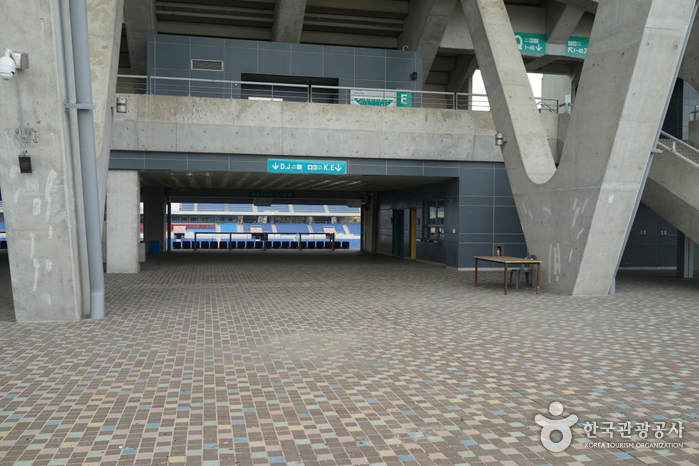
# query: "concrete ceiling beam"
[[140, 20], [424, 28], [288, 21], [561, 21]]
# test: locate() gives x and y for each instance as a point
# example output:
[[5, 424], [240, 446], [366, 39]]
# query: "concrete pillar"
[[154, 217], [370, 212], [288, 21], [123, 221], [685, 256], [140, 20], [424, 27], [40, 207], [576, 218]]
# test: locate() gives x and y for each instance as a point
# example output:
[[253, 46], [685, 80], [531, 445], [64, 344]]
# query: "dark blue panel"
[[338, 50], [475, 200], [240, 60], [369, 68], [667, 255], [338, 66], [171, 39], [639, 255], [399, 69], [249, 166], [366, 170], [476, 182], [307, 48], [370, 52], [166, 156], [241, 44], [274, 62], [404, 54], [476, 238], [369, 84], [126, 164], [403, 171], [508, 238], [307, 64], [517, 250], [502, 183], [507, 220], [206, 53], [279, 46], [166, 165], [207, 41], [504, 201], [475, 219], [414, 85], [432, 171], [126, 154], [172, 56], [207, 165], [214, 157], [468, 251]]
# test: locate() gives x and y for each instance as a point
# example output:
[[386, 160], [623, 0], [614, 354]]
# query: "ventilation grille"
[[207, 65]]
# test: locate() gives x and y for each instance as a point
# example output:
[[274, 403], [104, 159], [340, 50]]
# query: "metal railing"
[[247, 90], [693, 155]]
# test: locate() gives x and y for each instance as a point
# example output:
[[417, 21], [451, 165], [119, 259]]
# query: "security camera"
[[11, 62]]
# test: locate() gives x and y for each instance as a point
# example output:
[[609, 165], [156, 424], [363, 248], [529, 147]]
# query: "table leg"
[[538, 277], [476, 272], [505, 278]]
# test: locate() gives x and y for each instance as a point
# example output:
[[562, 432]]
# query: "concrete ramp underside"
[[673, 192]]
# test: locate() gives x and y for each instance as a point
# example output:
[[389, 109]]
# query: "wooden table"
[[507, 260]]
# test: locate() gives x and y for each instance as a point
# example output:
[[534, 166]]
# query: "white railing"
[[132, 84], [675, 141]]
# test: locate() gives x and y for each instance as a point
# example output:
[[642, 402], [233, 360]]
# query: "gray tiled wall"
[[171, 56]]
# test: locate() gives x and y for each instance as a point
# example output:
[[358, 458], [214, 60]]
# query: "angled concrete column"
[[576, 218], [105, 19], [40, 207], [424, 28], [561, 21], [288, 21], [140, 20], [689, 71], [460, 77], [154, 217], [123, 221]]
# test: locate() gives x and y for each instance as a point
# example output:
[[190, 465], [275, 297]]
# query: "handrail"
[[417, 99], [675, 141]]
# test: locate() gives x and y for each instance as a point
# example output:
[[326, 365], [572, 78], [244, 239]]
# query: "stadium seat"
[[276, 244], [204, 244], [258, 244], [345, 245], [213, 244], [186, 245], [177, 245], [223, 244], [294, 245], [3, 244], [285, 244], [249, 245]]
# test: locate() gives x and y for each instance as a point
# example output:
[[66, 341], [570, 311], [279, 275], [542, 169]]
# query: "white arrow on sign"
[[275, 166], [339, 169]]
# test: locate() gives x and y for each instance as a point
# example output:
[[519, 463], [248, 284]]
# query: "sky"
[[479, 88]]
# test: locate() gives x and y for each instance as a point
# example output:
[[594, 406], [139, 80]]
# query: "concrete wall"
[[123, 221], [207, 125], [171, 56]]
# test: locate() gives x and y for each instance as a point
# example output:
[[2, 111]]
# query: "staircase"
[[672, 187]]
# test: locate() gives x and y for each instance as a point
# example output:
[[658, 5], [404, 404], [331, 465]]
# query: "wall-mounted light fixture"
[[121, 105], [25, 163], [11, 62], [500, 140], [414, 75]]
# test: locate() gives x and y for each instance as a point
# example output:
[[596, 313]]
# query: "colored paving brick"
[[324, 358]]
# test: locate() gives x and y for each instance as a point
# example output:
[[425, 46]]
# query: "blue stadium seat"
[[213, 244], [204, 244], [285, 244], [186, 245], [345, 245], [258, 244], [276, 244], [294, 245], [177, 245], [249, 244], [3, 244]]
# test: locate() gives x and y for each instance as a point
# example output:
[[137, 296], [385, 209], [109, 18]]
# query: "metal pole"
[[88, 155]]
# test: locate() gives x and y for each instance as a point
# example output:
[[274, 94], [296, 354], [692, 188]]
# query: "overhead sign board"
[[276, 194], [577, 47], [328, 167], [531, 44]]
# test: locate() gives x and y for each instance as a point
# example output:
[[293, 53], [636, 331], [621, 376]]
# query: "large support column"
[[140, 20], [105, 19], [576, 218], [154, 217], [424, 28], [40, 207], [123, 221]]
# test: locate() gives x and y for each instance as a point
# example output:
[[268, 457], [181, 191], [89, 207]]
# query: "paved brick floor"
[[339, 358]]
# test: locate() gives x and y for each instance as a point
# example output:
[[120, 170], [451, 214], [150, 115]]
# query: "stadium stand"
[[240, 208], [211, 207], [201, 230], [320, 227], [229, 228], [274, 208], [309, 208], [187, 207], [266, 227], [2, 226], [343, 209], [355, 229], [291, 228]]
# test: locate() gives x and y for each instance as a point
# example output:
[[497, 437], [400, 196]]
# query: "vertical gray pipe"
[[88, 154]]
